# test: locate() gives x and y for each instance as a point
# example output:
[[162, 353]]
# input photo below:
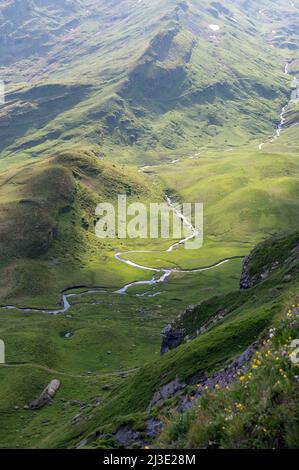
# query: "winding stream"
[[294, 97], [160, 276]]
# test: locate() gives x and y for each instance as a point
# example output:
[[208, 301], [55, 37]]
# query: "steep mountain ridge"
[[163, 86]]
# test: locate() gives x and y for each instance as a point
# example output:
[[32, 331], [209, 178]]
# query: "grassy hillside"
[[140, 80], [259, 411], [47, 219], [247, 195], [259, 408], [146, 99], [245, 198], [251, 315]]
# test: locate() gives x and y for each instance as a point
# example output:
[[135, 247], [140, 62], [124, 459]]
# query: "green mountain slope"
[[47, 220], [148, 99], [141, 80], [246, 317]]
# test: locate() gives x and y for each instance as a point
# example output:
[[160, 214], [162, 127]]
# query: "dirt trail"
[[66, 374]]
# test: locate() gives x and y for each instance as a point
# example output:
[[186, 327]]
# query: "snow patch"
[[214, 27]]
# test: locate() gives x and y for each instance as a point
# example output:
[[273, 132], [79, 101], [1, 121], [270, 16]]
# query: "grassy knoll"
[[47, 215]]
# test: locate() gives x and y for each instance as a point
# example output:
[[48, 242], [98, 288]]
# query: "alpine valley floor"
[[149, 100]]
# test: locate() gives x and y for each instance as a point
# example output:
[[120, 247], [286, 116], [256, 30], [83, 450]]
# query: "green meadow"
[[142, 99]]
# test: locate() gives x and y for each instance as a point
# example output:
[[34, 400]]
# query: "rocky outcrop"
[[248, 280], [126, 436], [46, 396], [222, 378], [270, 255], [171, 338], [258, 266], [153, 427], [175, 334], [171, 389], [212, 321]]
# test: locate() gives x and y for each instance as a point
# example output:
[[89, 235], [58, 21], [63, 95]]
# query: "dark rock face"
[[183, 5], [172, 338], [171, 389], [221, 8], [290, 259], [125, 435], [222, 378], [246, 282], [153, 427]]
